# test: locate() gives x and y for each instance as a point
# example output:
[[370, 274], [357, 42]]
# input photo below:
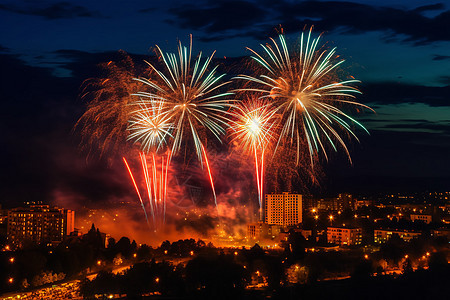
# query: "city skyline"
[[403, 73]]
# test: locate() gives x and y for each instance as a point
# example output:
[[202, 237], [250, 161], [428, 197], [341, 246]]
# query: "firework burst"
[[253, 128], [304, 89], [188, 96], [149, 125], [188, 93]]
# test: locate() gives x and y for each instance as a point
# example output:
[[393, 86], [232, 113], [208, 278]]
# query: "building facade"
[[283, 209], [344, 236], [421, 217], [262, 230], [39, 224], [382, 235]]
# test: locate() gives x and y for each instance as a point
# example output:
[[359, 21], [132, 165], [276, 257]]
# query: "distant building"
[[39, 224], [346, 201], [283, 209], [421, 217], [441, 232], [383, 235], [262, 230], [3, 221], [308, 205], [362, 203], [328, 204], [344, 236]]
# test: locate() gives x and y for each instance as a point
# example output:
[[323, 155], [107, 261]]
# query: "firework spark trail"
[[188, 99], [136, 188], [254, 130], [155, 184], [305, 93], [148, 184], [210, 175], [259, 166]]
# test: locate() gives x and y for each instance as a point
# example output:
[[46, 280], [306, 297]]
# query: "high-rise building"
[[283, 209], [39, 224]]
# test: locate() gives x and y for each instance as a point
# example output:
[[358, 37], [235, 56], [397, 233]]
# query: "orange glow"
[[210, 176], [135, 186], [157, 279], [11, 260], [366, 256], [11, 280]]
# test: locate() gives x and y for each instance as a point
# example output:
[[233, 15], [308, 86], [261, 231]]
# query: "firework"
[[149, 125], [253, 128], [104, 123], [188, 95], [308, 97]]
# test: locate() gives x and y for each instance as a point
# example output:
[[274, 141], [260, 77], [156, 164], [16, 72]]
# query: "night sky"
[[400, 50]]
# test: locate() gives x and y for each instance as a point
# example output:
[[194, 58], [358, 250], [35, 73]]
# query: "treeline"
[[37, 265], [258, 274]]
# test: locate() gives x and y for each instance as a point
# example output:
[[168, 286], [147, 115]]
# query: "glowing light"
[[303, 88], [253, 129], [186, 96]]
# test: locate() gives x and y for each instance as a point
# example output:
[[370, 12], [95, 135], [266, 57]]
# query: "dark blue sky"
[[399, 49]]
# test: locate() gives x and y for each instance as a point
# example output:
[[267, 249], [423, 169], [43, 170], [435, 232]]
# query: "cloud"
[[219, 19], [441, 127], [59, 10], [4, 49], [444, 80], [397, 93], [440, 57]]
